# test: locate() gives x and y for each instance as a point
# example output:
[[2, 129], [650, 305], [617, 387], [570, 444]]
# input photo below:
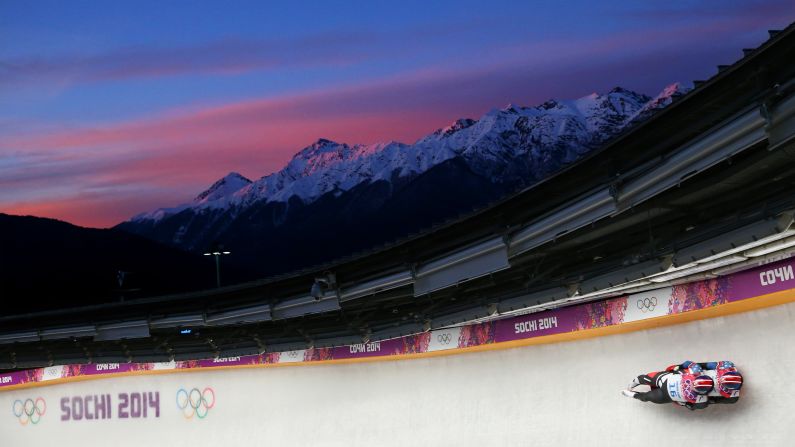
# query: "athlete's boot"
[[628, 393]]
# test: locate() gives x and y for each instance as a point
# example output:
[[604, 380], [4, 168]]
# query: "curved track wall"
[[554, 394], [547, 394]]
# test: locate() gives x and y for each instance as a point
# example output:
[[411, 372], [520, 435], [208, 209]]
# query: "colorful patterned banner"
[[661, 302]]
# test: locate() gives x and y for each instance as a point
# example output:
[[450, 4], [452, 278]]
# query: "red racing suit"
[[672, 386]]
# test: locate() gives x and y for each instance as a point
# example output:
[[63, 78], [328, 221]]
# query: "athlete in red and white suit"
[[677, 387], [727, 378]]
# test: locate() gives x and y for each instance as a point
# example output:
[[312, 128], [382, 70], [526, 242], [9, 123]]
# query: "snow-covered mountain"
[[219, 195], [504, 149], [501, 135], [222, 189]]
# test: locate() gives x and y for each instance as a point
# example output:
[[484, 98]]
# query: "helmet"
[[694, 368], [703, 384], [725, 364], [730, 381]]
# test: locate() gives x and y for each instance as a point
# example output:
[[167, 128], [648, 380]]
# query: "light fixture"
[[322, 285], [217, 253], [316, 291]]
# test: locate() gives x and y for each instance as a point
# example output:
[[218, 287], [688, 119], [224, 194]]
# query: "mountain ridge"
[[333, 199], [326, 165]]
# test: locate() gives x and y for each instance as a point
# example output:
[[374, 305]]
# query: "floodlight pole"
[[217, 270], [217, 255]]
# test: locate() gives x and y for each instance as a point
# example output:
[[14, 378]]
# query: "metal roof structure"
[[703, 186]]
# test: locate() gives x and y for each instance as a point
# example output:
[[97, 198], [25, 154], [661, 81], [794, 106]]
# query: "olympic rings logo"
[[29, 410], [689, 392], [445, 338], [195, 402], [647, 304], [292, 354]]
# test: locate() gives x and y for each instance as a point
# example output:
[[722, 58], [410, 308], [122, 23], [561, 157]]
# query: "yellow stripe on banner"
[[746, 305]]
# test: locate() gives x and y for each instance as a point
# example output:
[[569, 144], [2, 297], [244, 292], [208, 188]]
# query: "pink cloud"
[[91, 210], [104, 174], [185, 156]]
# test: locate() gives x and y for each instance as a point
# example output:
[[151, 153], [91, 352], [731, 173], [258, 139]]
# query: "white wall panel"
[[546, 395]]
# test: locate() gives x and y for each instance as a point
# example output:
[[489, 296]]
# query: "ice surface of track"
[[557, 394]]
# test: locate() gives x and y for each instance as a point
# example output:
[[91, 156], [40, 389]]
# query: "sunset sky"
[[109, 109]]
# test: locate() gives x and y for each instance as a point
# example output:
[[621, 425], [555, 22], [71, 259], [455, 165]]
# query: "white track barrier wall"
[[554, 394]]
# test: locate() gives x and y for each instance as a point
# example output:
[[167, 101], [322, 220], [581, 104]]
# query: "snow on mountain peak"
[[499, 138], [216, 196], [677, 88], [460, 123], [549, 104], [226, 186], [512, 108], [321, 145], [668, 95]]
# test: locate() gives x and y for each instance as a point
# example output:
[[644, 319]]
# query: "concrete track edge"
[[548, 394]]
